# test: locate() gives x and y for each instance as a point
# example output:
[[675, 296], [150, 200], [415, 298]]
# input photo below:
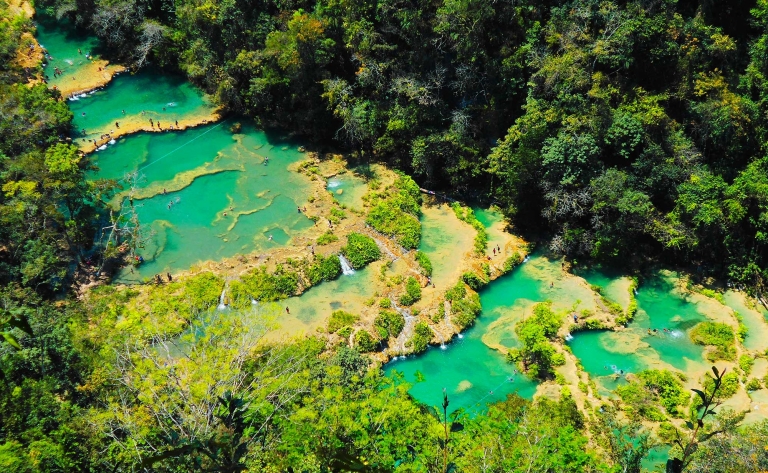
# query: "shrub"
[[512, 262], [467, 215], [391, 322], [393, 222], [345, 332], [263, 286], [424, 262], [412, 292], [360, 250], [754, 384], [203, 290], [718, 335], [385, 303], [536, 353], [558, 359], [340, 319], [728, 388], [324, 269], [473, 280], [464, 311], [327, 238], [745, 363], [364, 341], [422, 335]]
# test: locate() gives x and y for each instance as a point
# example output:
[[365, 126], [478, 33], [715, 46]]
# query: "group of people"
[[496, 249], [159, 278]]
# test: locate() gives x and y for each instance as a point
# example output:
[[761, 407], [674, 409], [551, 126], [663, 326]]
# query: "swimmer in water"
[[270, 237]]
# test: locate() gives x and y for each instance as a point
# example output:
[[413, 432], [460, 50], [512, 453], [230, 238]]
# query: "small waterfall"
[[346, 268], [222, 300], [568, 337]]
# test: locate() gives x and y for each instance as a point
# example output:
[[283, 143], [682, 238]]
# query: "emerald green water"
[[754, 317], [62, 41], [472, 373], [311, 309], [348, 189], [605, 355], [163, 98], [222, 197]]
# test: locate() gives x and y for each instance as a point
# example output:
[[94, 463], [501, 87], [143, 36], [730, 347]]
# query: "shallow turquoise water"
[[62, 41], [605, 355], [208, 194], [352, 188], [148, 94], [472, 373]]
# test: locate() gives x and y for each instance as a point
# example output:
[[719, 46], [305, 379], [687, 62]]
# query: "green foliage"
[[745, 363], [327, 238], [512, 262], [390, 322], [396, 212], [729, 386], [385, 303], [412, 292], [323, 269], [360, 250], [263, 286], [754, 384], [718, 335], [424, 262], [364, 341], [466, 214], [340, 319], [422, 335], [537, 354], [652, 390], [472, 280], [465, 305]]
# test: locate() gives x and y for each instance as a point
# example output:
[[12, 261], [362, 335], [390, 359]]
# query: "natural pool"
[[131, 100], [208, 194], [473, 373]]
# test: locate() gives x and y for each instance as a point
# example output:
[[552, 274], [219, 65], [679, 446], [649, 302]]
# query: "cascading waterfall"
[[346, 268], [223, 299]]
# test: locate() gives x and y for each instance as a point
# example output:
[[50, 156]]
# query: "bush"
[[360, 250], [728, 388], [718, 335], [464, 311], [424, 262], [473, 280], [558, 359], [391, 322], [512, 262], [391, 221], [412, 292], [422, 335], [467, 215], [345, 332], [745, 363], [754, 384], [324, 269], [385, 303], [364, 341], [536, 353], [340, 319], [264, 287], [327, 238]]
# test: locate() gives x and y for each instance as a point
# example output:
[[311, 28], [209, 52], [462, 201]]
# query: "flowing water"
[[349, 189]]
